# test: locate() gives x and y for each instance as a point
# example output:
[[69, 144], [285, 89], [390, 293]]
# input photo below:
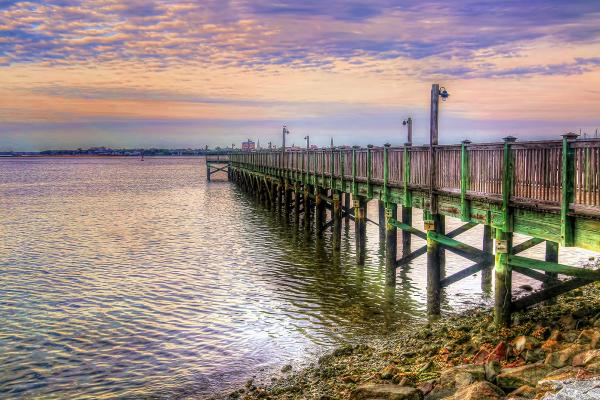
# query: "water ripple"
[[123, 279]]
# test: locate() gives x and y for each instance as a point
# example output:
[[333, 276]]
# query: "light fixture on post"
[[408, 123]]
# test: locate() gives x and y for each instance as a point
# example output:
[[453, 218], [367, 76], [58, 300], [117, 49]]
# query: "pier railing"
[[547, 190], [217, 157], [536, 170]]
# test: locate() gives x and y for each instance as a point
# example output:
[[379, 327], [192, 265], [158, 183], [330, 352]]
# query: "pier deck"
[[548, 190]]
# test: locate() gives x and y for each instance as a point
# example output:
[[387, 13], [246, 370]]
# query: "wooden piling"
[[347, 207], [391, 243], [503, 272], [433, 267], [433, 221], [337, 220], [307, 206], [407, 201], [551, 256], [319, 209], [381, 218], [296, 193], [360, 226], [287, 192], [406, 236], [504, 239], [488, 247]]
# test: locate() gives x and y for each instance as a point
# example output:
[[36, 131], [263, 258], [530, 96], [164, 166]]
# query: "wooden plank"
[[408, 228], [537, 297], [460, 248], [531, 273], [554, 267], [408, 258], [526, 245]]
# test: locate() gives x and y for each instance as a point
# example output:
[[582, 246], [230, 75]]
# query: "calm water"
[[129, 279]]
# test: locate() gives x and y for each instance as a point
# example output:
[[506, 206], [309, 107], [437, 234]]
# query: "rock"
[[479, 391], [586, 358], [567, 322], [550, 345], [554, 379], [499, 352], [286, 368], [590, 337], [388, 372], [593, 368], [386, 392], [523, 343], [530, 374], [461, 376], [565, 356], [525, 392], [492, 369], [425, 367], [580, 390], [533, 356], [555, 335], [427, 387], [344, 350]]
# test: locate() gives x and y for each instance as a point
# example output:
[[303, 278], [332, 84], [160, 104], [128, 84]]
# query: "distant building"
[[248, 145]]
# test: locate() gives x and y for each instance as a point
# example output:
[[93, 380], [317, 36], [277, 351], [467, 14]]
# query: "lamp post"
[[408, 123]]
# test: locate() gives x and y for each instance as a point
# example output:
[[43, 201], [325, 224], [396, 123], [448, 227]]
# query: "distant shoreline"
[[92, 156]]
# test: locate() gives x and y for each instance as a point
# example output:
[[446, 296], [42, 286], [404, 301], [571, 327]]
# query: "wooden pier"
[[548, 190], [217, 163]]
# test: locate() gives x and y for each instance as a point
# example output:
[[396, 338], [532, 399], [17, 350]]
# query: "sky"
[[185, 74]]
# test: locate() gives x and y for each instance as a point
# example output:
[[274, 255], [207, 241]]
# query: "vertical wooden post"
[[354, 172], [433, 267], [347, 207], [386, 194], [208, 171], [464, 182], [391, 243], [488, 247], [432, 219], [360, 225], [296, 203], [307, 207], [287, 197], [504, 239], [278, 195], [381, 220], [331, 170], [322, 168], [407, 203], [337, 220], [568, 189], [551, 256], [369, 171], [320, 209]]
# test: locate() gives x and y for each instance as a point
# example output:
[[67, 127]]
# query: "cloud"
[[256, 33]]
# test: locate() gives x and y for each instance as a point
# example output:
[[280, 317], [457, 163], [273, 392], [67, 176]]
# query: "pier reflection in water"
[[123, 278]]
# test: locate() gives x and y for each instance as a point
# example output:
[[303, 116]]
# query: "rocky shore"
[[552, 351]]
